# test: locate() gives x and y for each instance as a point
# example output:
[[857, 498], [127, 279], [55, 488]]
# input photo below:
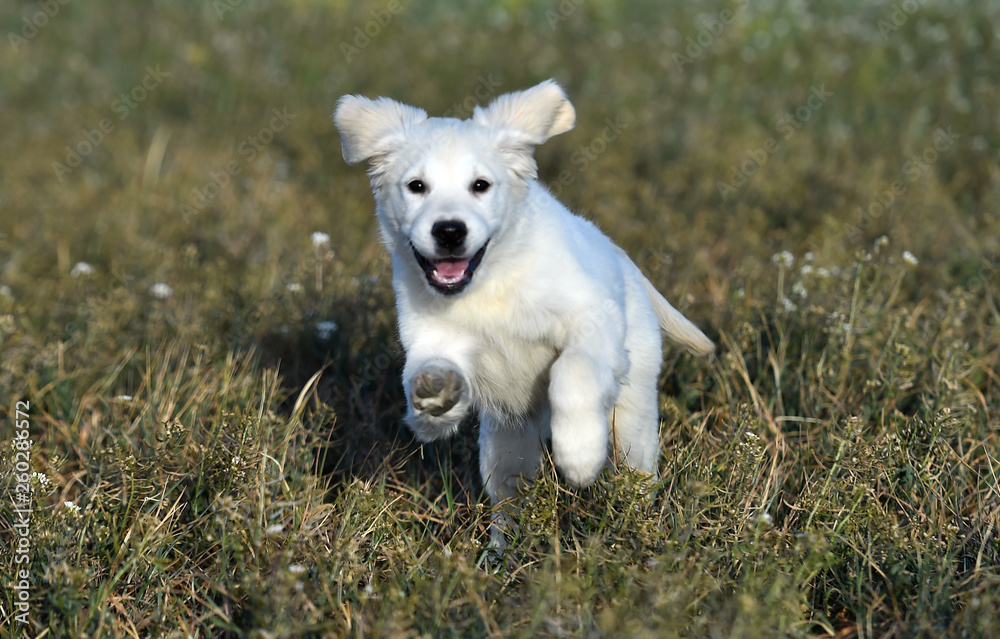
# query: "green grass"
[[834, 472]]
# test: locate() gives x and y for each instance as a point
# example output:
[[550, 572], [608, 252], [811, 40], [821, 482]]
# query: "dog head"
[[447, 188]]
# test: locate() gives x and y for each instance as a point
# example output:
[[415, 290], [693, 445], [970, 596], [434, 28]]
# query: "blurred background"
[[738, 130]]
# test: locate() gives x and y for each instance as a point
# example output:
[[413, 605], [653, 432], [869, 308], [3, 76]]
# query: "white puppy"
[[509, 304]]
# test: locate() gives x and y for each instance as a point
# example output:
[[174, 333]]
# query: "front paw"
[[436, 389], [439, 399]]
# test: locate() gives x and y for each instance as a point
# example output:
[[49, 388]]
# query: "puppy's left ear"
[[370, 129], [525, 119]]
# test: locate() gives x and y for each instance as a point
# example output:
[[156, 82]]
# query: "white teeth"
[[444, 279]]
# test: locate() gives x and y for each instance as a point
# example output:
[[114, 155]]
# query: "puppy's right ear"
[[369, 129]]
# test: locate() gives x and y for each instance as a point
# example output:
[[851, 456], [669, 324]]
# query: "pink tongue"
[[450, 271]]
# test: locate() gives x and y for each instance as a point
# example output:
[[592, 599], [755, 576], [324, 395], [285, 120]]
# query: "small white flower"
[[319, 238], [236, 461], [883, 240], [800, 289], [765, 518], [72, 506], [325, 329], [369, 590], [40, 478], [788, 305], [808, 256], [81, 269], [806, 269], [294, 287], [910, 258], [5, 291], [296, 569], [274, 529], [161, 291], [124, 398], [783, 259], [822, 272]]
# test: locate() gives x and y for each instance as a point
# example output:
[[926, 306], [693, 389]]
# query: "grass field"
[[818, 187]]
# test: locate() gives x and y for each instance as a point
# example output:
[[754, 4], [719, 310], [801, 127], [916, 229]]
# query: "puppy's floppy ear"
[[525, 119], [535, 114], [369, 129]]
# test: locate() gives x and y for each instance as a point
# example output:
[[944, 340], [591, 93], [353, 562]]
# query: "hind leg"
[[635, 426], [635, 420]]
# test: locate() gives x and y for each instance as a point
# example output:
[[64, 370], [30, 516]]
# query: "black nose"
[[450, 234]]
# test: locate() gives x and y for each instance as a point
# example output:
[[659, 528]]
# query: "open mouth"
[[450, 275]]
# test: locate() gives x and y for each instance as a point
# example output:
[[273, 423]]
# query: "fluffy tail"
[[676, 326]]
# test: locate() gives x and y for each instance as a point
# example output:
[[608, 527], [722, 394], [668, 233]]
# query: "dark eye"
[[416, 186], [480, 186]]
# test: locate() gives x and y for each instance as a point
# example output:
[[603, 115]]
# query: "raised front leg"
[[436, 381]]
